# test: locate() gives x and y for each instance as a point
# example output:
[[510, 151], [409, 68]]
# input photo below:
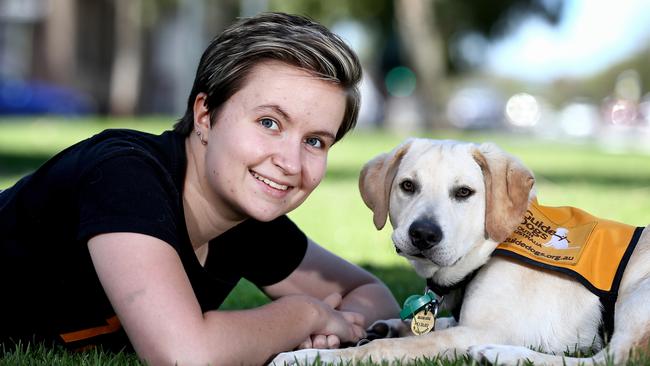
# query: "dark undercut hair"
[[291, 39]]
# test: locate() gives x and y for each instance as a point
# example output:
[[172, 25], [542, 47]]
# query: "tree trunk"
[[423, 45], [127, 61], [61, 41]]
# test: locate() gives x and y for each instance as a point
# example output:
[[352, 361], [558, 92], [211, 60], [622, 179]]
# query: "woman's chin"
[[265, 215]]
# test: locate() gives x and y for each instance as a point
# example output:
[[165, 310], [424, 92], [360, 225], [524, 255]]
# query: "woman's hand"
[[323, 339]]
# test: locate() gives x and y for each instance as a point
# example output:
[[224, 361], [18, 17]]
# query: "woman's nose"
[[288, 158]]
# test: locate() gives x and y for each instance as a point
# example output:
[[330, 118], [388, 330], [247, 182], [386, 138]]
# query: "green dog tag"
[[415, 303], [423, 309]]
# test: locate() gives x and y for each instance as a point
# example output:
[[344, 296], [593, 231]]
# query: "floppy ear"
[[508, 184], [376, 179]]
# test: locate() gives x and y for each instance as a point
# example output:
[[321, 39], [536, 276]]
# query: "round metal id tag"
[[423, 322], [423, 309]]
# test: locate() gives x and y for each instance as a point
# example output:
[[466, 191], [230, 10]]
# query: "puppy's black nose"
[[424, 234]]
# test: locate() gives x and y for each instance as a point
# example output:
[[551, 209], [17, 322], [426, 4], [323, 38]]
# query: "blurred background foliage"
[[537, 72], [509, 65]]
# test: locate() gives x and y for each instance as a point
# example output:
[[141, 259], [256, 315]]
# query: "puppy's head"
[[445, 199]]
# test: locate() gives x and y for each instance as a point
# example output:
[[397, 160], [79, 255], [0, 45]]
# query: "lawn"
[[610, 185]]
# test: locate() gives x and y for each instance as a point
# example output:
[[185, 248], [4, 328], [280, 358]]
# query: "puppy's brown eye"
[[407, 186], [463, 192]]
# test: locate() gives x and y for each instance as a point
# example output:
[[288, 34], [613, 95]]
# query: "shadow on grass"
[[401, 280], [342, 173], [14, 164]]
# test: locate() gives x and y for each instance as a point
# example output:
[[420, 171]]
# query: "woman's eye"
[[463, 192], [407, 186], [269, 123], [315, 142]]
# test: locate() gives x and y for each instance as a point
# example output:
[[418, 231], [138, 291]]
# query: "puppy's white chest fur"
[[542, 310]]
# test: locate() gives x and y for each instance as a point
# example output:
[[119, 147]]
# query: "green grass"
[[39, 355], [614, 186]]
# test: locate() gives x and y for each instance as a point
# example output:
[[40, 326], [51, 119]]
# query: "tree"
[[426, 31], [127, 62]]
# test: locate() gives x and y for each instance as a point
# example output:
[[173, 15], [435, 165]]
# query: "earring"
[[198, 133]]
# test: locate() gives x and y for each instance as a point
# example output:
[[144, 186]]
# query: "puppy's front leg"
[[398, 328], [446, 343], [446, 322], [389, 328]]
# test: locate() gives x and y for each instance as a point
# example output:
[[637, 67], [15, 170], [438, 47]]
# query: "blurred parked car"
[[34, 97]]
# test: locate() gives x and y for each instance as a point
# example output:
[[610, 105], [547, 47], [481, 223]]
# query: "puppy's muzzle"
[[424, 234]]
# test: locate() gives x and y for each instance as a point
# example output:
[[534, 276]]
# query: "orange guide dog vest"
[[592, 250]]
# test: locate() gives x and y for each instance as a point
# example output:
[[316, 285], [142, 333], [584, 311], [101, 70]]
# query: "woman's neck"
[[206, 215]]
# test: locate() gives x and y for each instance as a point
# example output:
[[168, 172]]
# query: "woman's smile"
[[270, 183]]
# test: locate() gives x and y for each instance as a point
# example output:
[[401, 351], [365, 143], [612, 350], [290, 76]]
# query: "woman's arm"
[[322, 273], [152, 296]]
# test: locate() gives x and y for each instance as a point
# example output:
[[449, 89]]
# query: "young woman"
[[134, 234]]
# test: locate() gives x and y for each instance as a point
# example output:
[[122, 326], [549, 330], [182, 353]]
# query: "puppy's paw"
[[501, 354], [304, 357], [446, 322], [388, 328]]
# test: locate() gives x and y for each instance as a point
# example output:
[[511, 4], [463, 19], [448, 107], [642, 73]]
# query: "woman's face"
[[268, 148]]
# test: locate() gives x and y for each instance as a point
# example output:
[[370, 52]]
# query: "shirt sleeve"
[[264, 253], [128, 193]]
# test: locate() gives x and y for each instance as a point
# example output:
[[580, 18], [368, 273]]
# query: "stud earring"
[[198, 133]]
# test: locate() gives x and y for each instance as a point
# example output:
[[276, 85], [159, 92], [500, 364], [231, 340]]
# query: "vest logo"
[[541, 237], [560, 239], [535, 227]]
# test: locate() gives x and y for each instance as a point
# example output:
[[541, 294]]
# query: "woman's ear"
[[201, 114], [376, 179]]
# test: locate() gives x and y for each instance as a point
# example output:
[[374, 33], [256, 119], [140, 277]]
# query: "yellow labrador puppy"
[[523, 279]]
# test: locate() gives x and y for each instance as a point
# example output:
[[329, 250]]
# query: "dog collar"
[[445, 290]]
